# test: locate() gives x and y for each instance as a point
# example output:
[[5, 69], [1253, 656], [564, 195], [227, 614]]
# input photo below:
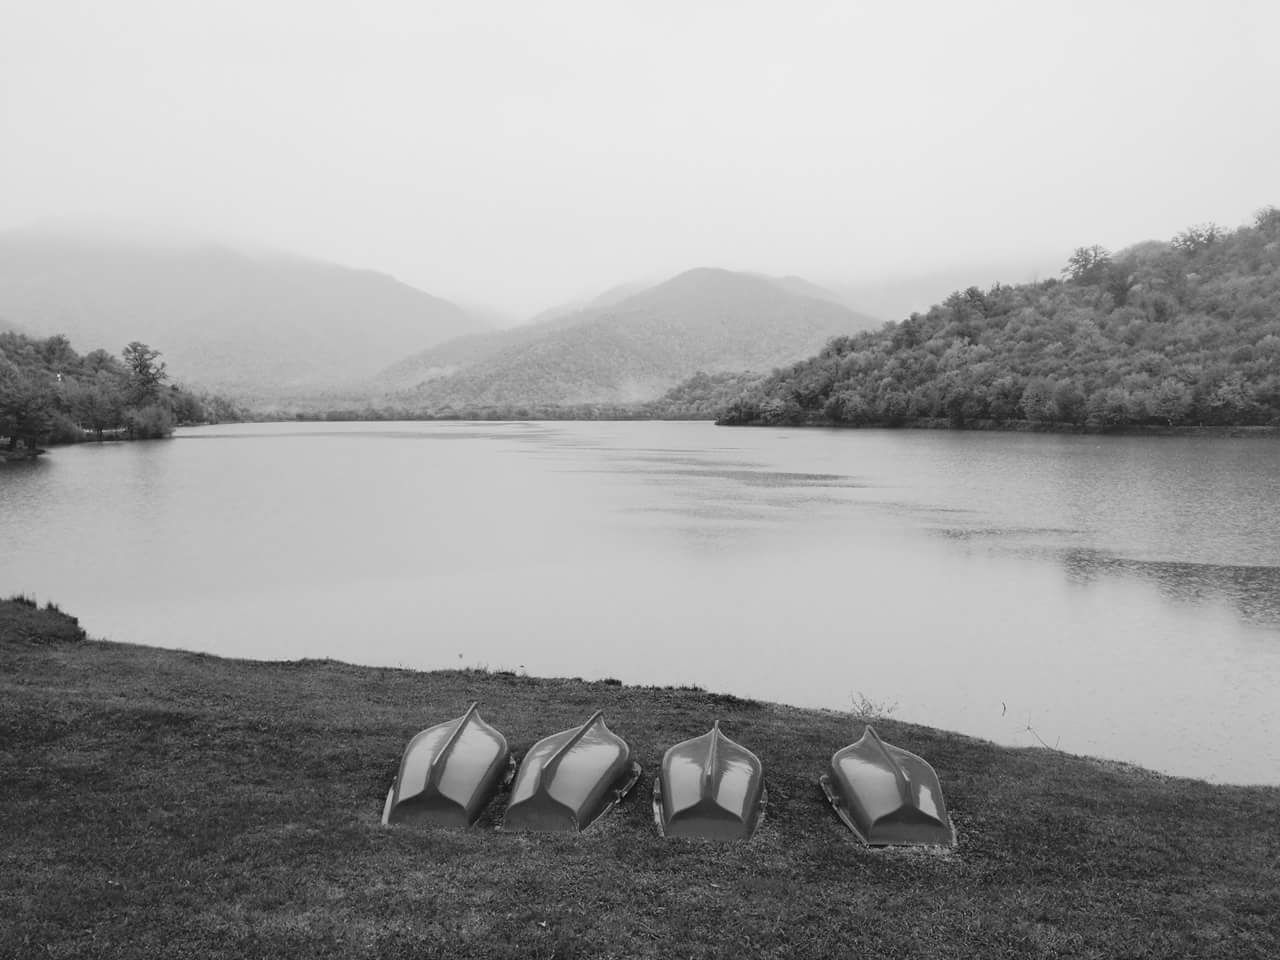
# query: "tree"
[[96, 361], [1037, 401], [57, 355], [146, 373], [98, 404], [26, 405], [148, 423], [1088, 264], [1198, 237], [1171, 401], [1069, 401]]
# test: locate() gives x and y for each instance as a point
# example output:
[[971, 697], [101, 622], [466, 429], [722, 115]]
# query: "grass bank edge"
[[230, 807]]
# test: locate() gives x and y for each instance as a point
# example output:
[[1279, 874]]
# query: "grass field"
[[163, 804]]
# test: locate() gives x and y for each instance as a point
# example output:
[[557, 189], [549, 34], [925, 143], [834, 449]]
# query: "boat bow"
[[709, 787], [570, 779], [449, 772], [886, 795]]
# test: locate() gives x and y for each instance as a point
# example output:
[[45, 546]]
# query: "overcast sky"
[[522, 153]]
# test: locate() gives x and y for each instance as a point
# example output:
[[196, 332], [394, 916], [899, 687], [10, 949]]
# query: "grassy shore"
[[163, 804]]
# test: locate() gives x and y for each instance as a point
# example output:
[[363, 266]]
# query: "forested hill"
[[49, 393], [633, 350], [1179, 333], [452, 356]]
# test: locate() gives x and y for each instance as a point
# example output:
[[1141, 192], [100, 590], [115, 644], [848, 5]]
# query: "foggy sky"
[[521, 153]]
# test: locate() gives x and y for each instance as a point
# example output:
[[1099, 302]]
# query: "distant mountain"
[[633, 349], [488, 316], [255, 323], [804, 288], [615, 294], [461, 352]]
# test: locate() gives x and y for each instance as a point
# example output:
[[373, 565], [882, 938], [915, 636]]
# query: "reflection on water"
[[1119, 596], [1253, 592], [753, 478]]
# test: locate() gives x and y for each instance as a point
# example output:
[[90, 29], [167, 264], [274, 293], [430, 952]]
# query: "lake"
[[1118, 597]]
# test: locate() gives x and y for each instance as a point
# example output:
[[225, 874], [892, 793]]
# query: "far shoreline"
[[1254, 431], [973, 426]]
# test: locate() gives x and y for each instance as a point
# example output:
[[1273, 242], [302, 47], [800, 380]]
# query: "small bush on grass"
[[22, 620], [865, 710]]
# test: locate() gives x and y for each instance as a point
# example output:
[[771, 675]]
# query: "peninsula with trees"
[[1176, 334], [51, 394]]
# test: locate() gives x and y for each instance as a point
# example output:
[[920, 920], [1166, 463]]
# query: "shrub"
[[148, 423]]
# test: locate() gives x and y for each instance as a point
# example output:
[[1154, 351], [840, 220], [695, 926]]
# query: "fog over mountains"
[[630, 347], [268, 325], [259, 323]]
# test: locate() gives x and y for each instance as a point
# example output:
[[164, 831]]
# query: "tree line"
[[49, 393], [702, 397], [1179, 333]]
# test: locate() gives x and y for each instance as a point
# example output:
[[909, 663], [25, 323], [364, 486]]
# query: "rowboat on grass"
[[449, 772], [887, 796], [570, 779], [709, 787]]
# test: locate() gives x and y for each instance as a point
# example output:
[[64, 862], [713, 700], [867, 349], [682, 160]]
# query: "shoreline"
[[160, 800], [1265, 431]]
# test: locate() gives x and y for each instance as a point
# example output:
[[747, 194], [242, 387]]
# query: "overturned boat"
[[449, 772], [887, 796], [709, 787], [571, 779]]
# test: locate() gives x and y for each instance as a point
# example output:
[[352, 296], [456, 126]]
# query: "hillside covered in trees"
[[51, 394], [1171, 334]]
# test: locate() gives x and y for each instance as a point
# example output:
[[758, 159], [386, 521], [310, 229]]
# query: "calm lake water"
[[1120, 597]]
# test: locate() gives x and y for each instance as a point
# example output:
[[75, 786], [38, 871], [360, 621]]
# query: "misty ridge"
[[1163, 332], [271, 327], [252, 322]]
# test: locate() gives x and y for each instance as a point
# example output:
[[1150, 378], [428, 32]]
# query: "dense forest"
[[702, 397], [51, 394], [1170, 334]]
